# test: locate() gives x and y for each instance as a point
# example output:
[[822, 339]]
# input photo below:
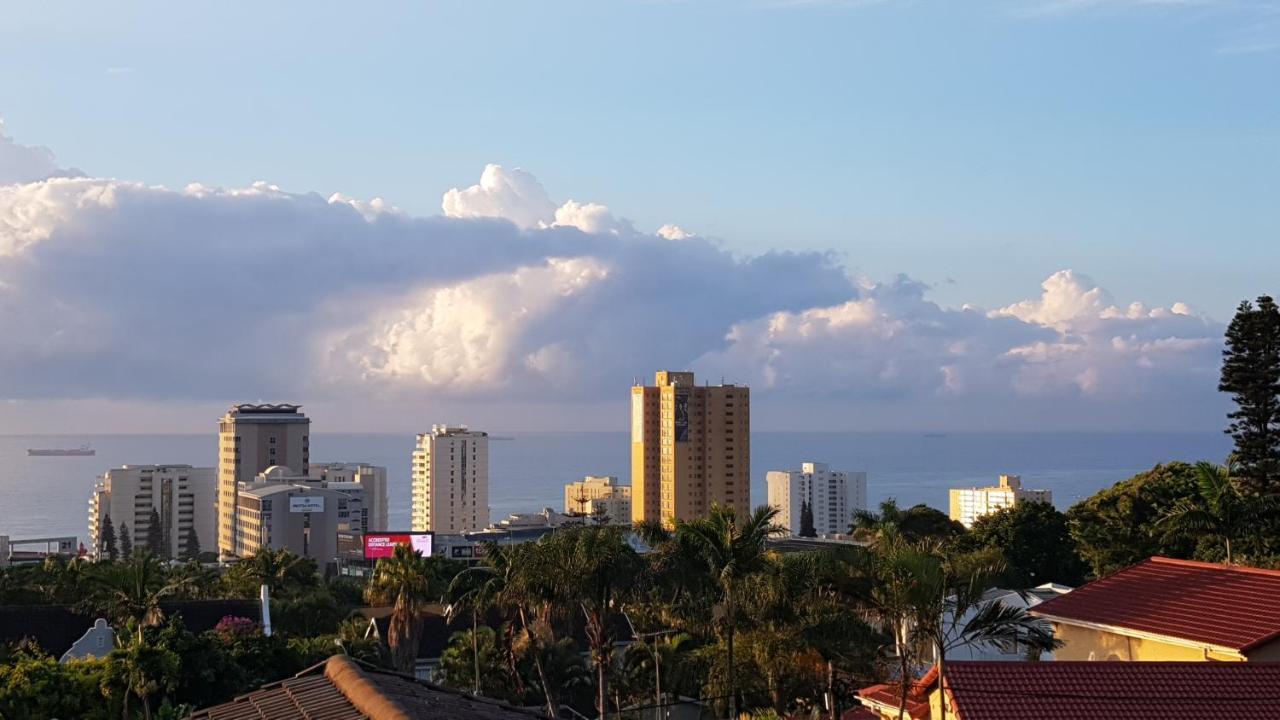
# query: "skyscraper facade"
[[690, 448], [183, 498], [451, 480], [252, 438]]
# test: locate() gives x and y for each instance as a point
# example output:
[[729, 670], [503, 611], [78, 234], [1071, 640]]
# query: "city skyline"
[[871, 231]]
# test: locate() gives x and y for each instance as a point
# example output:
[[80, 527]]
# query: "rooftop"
[[1136, 690], [263, 408], [339, 689], [1222, 606]]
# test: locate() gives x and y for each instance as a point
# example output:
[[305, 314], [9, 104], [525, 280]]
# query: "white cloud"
[[125, 292], [24, 163], [513, 195]]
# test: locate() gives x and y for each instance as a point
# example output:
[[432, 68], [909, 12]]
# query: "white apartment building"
[[969, 504], [832, 495], [184, 498], [599, 494], [252, 438], [451, 480]]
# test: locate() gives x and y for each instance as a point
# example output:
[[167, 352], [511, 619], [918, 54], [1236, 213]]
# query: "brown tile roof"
[[339, 689], [1063, 690], [1225, 606]]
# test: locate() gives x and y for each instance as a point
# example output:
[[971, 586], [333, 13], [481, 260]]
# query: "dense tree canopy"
[[1036, 544]]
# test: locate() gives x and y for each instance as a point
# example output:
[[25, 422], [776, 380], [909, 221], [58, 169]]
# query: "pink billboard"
[[383, 545]]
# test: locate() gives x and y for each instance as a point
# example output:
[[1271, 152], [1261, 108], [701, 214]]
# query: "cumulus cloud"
[[891, 342], [117, 290], [25, 163]]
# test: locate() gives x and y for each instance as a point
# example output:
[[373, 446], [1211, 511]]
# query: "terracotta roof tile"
[[1220, 605], [340, 690], [1062, 690]]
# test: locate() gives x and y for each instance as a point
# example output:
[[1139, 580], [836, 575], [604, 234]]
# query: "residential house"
[[1165, 609]]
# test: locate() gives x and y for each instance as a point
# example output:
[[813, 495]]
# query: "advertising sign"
[[682, 415], [306, 503], [382, 545]]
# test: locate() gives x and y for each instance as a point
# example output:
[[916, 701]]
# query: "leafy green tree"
[[287, 573], [407, 583], [1116, 527], [806, 521], [130, 592], [35, 686], [140, 671], [107, 541], [918, 522], [731, 549], [1221, 512], [594, 568], [1251, 373], [475, 656], [126, 541], [315, 613], [1036, 543]]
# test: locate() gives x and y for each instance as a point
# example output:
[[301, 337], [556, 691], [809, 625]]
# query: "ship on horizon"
[[83, 450]]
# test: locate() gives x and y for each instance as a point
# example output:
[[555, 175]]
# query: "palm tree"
[[868, 526], [131, 590], [286, 572], [956, 614], [593, 567], [731, 549], [405, 581], [1221, 511], [897, 598]]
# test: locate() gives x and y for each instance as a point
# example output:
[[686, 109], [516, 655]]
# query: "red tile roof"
[[1062, 690], [1205, 603], [890, 694]]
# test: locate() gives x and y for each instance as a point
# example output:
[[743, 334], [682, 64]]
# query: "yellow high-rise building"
[[690, 448]]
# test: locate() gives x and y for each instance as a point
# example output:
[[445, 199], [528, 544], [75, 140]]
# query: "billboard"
[[306, 503], [382, 545], [682, 414]]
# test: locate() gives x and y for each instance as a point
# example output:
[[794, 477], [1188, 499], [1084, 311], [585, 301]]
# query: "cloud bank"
[[117, 290]]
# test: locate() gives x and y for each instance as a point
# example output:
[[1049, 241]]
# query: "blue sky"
[[983, 144], [1048, 162]]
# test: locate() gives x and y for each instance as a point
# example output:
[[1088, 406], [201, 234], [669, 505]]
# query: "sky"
[[880, 214]]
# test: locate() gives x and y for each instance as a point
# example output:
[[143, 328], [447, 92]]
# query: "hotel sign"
[[306, 504]]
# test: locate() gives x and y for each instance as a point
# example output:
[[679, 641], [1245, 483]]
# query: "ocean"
[[48, 496]]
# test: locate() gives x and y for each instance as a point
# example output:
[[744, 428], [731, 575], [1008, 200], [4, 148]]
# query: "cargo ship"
[[83, 450]]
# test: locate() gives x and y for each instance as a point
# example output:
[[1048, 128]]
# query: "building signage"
[[682, 414], [383, 545], [465, 552], [306, 503]]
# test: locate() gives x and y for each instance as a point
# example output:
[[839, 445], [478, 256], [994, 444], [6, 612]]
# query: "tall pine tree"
[[806, 520], [107, 540], [126, 541], [191, 545], [155, 536], [1251, 373]]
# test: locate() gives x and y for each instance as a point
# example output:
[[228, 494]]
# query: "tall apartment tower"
[[832, 496], [451, 480], [690, 448], [183, 497], [252, 438]]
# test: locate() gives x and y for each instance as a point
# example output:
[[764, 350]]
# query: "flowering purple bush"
[[236, 626]]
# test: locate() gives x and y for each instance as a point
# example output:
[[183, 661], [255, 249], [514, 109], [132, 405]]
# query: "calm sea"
[[42, 496]]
